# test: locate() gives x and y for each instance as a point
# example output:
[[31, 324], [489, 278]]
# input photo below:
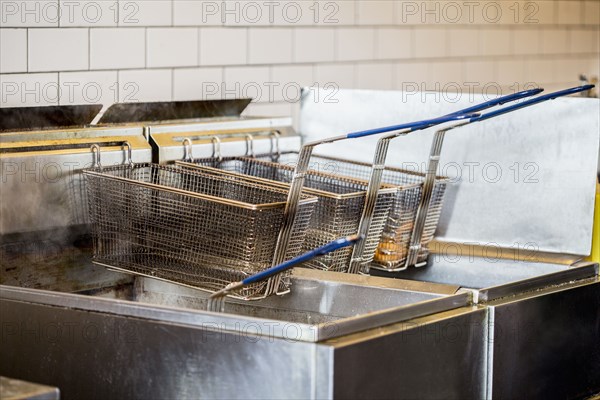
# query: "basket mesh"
[[392, 250], [337, 213], [186, 227]]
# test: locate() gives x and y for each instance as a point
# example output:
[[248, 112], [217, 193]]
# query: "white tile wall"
[[479, 73], [288, 80], [13, 50], [569, 12], [337, 74], [145, 12], [463, 42], [509, 72], [197, 83], [92, 13], [195, 13], [540, 12], [29, 90], [540, 71], [90, 87], [446, 72], [29, 14], [270, 46], [375, 12], [526, 41], [495, 41], [58, 49], [314, 44], [145, 85], [394, 43], [171, 47], [375, 76], [223, 46], [591, 14], [247, 82], [554, 41], [355, 44], [431, 42], [411, 76], [583, 41], [186, 49], [117, 48]]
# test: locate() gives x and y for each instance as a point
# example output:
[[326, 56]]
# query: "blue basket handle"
[[413, 125], [531, 102], [500, 101], [261, 276], [467, 113]]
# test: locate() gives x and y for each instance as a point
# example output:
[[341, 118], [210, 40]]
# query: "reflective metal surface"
[[320, 305], [442, 356], [126, 113], [168, 140], [546, 343], [495, 278], [29, 118], [524, 178], [41, 175]]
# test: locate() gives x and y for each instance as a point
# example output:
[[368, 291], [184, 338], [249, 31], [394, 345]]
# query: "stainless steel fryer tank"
[[151, 339], [516, 240], [99, 334]]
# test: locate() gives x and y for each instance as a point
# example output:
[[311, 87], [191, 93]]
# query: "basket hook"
[[217, 148], [127, 149], [187, 150], [95, 149], [250, 145], [275, 150]]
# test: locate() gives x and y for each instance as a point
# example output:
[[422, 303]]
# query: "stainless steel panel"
[[242, 123], [319, 307], [168, 139], [72, 134], [546, 344], [172, 110], [97, 355], [435, 357], [92, 355], [42, 187], [524, 178], [202, 147], [28, 118], [496, 278]]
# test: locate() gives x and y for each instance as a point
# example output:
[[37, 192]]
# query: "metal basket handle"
[[95, 149], [434, 158], [216, 142], [275, 149], [299, 176], [250, 146], [381, 155], [187, 149], [128, 154]]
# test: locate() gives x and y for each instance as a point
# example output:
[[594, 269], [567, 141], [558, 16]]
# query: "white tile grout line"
[[492, 58], [89, 49]]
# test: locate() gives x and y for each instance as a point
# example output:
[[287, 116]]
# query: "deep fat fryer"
[[73, 318]]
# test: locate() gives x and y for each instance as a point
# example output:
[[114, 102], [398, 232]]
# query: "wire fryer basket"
[[393, 248], [337, 213], [194, 229]]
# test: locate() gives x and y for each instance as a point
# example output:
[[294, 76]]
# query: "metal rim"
[[216, 199]]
